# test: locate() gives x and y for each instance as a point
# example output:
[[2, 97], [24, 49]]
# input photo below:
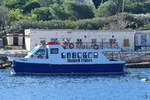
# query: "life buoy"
[[71, 45]]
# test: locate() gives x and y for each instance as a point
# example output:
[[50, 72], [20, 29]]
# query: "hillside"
[[16, 15]]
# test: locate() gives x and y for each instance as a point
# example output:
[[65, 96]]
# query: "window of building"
[[15, 41], [137, 40], [143, 40], [40, 52], [79, 40], [94, 40], [126, 43], [112, 41], [63, 55], [68, 55], [54, 40], [54, 51], [90, 55], [95, 54], [74, 55], [79, 55], [84, 55]]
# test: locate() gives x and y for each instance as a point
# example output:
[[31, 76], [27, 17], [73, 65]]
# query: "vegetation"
[[17, 15], [106, 9]]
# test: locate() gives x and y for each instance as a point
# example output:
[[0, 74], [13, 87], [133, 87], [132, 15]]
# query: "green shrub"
[[134, 21], [108, 8], [77, 10], [30, 5], [42, 13]]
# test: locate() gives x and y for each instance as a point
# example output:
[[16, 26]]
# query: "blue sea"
[[75, 87]]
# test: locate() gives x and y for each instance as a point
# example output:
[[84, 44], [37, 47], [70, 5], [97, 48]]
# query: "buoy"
[[71, 45], [145, 79]]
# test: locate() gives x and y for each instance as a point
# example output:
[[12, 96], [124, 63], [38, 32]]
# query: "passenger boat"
[[56, 58]]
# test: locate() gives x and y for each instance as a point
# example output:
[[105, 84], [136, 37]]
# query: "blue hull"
[[20, 67]]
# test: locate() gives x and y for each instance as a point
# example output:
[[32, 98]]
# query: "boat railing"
[[90, 45]]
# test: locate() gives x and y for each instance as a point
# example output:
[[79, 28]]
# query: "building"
[[142, 40], [14, 41], [123, 39], [1, 43]]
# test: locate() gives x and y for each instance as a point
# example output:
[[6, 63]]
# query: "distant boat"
[[56, 58]]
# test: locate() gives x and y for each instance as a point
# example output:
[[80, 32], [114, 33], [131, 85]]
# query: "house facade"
[[122, 39], [14, 41], [142, 40]]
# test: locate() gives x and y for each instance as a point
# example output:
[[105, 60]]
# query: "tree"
[[13, 3], [133, 1], [58, 12], [31, 5], [3, 15], [47, 3], [147, 7], [98, 2], [15, 15], [108, 8], [42, 13], [136, 8], [119, 4], [77, 10]]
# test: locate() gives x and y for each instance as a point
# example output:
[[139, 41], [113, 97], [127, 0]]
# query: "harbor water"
[[76, 87]]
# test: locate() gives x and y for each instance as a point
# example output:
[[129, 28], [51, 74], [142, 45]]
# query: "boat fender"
[[71, 45]]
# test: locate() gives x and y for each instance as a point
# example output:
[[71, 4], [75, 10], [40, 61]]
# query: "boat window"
[[54, 51], [63, 55], [79, 55], [74, 55], [95, 54], [68, 55], [84, 55], [40, 52], [46, 53], [90, 55]]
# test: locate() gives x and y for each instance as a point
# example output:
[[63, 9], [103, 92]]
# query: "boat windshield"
[[32, 51]]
